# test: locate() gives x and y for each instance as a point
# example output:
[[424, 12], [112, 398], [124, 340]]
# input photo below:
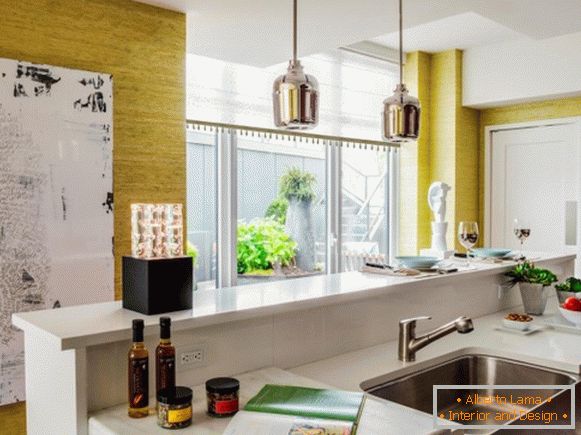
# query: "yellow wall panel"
[[414, 224], [447, 150], [144, 48], [443, 120], [454, 148], [467, 162]]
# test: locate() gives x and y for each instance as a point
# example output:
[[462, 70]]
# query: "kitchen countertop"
[[376, 418], [94, 324], [548, 348]]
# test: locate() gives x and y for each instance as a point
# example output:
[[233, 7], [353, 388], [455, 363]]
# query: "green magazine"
[[308, 402]]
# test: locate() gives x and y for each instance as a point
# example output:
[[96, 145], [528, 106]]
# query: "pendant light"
[[401, 111], [295, 94]]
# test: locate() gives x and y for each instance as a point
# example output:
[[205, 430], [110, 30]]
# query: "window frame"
[[226, 212]]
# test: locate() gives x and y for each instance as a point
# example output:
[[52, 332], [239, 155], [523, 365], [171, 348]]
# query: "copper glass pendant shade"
[[295, 95], [401, 111]]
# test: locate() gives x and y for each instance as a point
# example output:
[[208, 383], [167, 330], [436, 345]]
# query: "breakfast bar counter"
[[79, 354]]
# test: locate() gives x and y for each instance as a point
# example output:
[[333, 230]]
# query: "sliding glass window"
[[201, 206], [365, 207], [281, 209], [285, 206]]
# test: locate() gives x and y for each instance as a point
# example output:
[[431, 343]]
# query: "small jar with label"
[[222, 396], [174, 407]]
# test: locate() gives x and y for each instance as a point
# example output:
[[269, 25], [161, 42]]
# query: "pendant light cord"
[[294, 31], [400, 42]]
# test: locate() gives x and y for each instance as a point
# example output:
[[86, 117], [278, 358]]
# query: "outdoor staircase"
[[355, 224]]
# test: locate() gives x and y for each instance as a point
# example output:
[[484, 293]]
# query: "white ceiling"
[[257, 32], [469, 30]]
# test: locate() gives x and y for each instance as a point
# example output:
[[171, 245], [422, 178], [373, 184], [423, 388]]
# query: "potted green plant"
[[277, 210], [263, 247], [570, 287], [534, 283], [298, 188]]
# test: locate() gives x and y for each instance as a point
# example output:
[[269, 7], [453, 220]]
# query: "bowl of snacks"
[[522, 322], [571, 310]]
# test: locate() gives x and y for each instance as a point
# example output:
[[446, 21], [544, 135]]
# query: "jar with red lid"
[[222, 394]]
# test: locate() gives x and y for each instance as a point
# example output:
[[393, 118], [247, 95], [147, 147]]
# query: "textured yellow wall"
[[443, 138], [414, 221], [467, 161], [454, 141], [447, 150], [144, 48], [560, 108]]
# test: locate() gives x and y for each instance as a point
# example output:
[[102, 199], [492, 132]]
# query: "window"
[[201, 206], [265, 206], [281, 209], [364, 207]]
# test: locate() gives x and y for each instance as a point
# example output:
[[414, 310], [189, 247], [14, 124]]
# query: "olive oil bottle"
[[165, 357], [138, 373]]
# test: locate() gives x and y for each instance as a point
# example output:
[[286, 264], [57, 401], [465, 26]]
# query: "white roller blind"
[[352, 89]]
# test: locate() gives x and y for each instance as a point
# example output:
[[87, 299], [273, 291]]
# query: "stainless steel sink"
[[415, 390]]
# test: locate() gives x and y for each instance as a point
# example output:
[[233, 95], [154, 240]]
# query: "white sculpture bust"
[[437, 200]]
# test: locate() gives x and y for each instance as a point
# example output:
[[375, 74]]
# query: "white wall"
[[352, 89], [526, 70]]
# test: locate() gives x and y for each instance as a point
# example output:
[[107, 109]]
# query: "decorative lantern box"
[[157, 278]]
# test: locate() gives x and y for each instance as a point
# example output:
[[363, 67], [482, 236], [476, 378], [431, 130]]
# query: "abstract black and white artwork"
[[56, 200]]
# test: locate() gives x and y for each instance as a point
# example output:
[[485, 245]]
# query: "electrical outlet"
[[193, 356]]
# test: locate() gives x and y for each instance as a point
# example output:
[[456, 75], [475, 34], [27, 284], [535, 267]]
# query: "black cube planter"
[[157, 285]]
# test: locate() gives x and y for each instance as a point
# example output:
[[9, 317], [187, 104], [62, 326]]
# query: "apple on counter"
[[572, 304], [571, 310]]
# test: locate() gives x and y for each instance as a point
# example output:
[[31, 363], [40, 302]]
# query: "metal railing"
[[365, 198]]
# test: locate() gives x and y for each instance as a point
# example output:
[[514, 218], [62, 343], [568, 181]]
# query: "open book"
[[287, 410]]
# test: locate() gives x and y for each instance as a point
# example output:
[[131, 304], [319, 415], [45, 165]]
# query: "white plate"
[[531, 330], [559, 323], [491, 252]]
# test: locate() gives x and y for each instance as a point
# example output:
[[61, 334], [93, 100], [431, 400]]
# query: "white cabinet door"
[[535, 175]]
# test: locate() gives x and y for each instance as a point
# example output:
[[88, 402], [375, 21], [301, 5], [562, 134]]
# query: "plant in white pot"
[[298, 188], [534, 284], [570, 287]]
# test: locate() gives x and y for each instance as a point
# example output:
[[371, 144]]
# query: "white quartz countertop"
[[548, 348], [87, 325], [378, 418]]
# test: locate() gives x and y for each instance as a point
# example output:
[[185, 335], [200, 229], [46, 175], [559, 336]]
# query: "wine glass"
[[468, 236], [522, 230]]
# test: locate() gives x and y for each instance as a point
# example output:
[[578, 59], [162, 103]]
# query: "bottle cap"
[[165, 327], [138, 330]]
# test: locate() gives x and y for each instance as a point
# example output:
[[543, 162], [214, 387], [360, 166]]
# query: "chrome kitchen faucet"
[[409, 344]]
